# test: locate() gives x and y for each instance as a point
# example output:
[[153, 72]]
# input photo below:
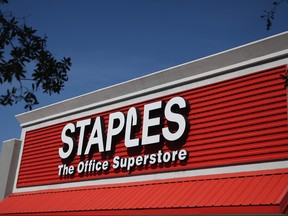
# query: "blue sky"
[[112, 41]]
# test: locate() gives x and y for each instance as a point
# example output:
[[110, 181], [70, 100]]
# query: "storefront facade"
[[206, 137]]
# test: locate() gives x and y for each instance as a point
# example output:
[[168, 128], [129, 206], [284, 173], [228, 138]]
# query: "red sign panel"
[[237, 121]]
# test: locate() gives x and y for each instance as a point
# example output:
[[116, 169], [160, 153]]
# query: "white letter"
[[166, 157], [97, 128], [60, 169], [116, 162], [139, 160], [105, 165], [71, 170], [131, 121], [131, 162], [114, 131], [80, 167], [182, 154], [175, 117], [82, 124], [152, 159], [67, 140], [149, 122]]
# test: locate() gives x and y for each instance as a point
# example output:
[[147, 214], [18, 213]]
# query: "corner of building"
[[8, 166]]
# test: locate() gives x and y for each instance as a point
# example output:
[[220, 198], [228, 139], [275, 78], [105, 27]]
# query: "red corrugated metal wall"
[[237, 121], [237, 193]]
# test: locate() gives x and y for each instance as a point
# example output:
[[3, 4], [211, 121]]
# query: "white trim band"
[[162, 176]]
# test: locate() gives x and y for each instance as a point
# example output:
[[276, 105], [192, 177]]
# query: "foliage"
[[285, 78], [270, 15], [26, 66]]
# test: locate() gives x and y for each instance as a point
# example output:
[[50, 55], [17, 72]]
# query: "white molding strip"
[[162, 176]]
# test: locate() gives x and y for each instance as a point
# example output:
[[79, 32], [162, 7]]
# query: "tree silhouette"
[[270, 14], [26, 66]]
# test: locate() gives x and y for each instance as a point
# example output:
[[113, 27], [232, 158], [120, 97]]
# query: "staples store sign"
[[119, 125], [236, 121]]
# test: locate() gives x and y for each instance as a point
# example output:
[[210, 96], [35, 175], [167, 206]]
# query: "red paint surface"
[[237, 121], [259, 192]]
